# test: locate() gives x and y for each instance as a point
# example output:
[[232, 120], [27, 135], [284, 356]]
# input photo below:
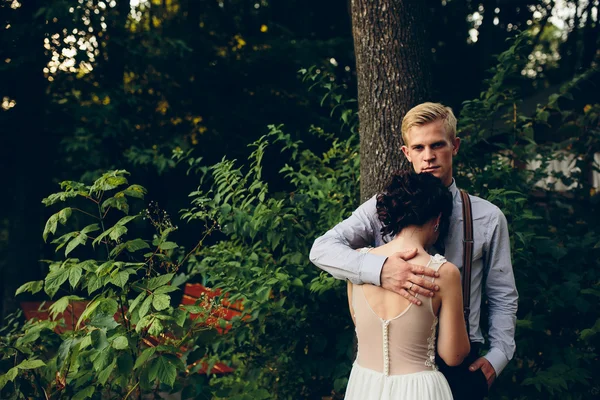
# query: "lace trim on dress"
[[430, 361], [438, 259]]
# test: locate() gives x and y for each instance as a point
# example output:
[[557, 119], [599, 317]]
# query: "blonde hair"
[[429, 112]]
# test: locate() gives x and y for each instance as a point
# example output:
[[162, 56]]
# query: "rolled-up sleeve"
[[334, 252], [501, 292]]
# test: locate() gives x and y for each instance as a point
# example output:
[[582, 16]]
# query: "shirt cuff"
[[497, 358], [370, 269]]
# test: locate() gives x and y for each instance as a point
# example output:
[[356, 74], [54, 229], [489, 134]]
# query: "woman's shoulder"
[[449, 275]]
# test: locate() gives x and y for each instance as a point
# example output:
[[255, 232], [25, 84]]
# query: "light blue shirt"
[[492, 267]]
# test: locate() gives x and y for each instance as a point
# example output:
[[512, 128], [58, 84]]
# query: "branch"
[[85, 212], [208, 232], [132, 389]]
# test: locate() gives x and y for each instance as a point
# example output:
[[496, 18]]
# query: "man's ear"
[[405, 151], [455, 145]]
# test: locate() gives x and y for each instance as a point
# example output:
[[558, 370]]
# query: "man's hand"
[[405, 279], [487, 369]]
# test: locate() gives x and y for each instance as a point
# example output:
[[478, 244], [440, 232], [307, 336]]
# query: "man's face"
[[430, 149]]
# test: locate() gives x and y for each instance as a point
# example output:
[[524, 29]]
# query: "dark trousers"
[[465, 385]]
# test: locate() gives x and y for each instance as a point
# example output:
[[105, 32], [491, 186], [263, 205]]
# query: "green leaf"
[[59, 306], [8, 377], [93, 283], [131, 246], [145, 307], [89, 265], [104, 321], [85, 342], [161, 301], [32, 287], [64, 214], [163, 369], [168, 246], [136, 244], [120, 279], [105, 373], [84, 393], [55, 278], [117, 232], [101, 358], [156, 328], [72, 189], [126, 220], [166, 289], [89, 309], [117, 202], [63, 352], [144, 322], [31, 364], [50, 227], [101, 236], [180, 316], [99, 340], [63, 240], [146, 354], [159, 281], [105, 268], [120, 343], [90, 228], [136, 191], [80, 238], [109, 181], [137, 300], [75, 275]]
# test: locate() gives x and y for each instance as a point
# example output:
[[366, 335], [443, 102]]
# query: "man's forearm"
[[335, 251], [502, 298], [336, 257]]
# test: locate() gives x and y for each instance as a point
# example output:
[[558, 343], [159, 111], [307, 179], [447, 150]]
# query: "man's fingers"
[[424, 283], [422, 291], [407, 254], [410, 297], [421, 270], [476, 364]]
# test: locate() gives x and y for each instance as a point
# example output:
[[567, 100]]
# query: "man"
[[429, 133]]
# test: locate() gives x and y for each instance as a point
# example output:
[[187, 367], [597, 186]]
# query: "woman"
[[397, 340]]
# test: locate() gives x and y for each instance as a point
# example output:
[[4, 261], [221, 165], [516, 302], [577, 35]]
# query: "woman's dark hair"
[[413, 199]]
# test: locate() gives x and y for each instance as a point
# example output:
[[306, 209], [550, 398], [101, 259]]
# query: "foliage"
[[129, 339], [554, 238], [294, 339], [288, 339]]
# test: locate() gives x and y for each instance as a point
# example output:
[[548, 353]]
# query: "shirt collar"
[[453, 189]]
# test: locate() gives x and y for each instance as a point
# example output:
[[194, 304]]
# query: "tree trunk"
[[393, 64]]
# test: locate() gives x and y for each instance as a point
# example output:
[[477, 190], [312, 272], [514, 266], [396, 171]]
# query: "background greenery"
[[174, 92]]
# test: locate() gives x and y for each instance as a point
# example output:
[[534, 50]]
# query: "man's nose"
[[429, 154]]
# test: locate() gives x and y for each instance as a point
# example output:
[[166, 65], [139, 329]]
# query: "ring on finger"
[[411, 285]]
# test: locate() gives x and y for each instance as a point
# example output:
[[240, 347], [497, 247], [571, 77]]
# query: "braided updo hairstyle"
[[413, 199]]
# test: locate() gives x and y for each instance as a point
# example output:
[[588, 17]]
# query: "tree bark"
[[393, 64]]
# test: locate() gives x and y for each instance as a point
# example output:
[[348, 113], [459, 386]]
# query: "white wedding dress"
[[396, 357]]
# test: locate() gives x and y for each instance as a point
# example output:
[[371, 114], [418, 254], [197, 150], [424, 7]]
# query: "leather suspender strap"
[[467, 254]]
